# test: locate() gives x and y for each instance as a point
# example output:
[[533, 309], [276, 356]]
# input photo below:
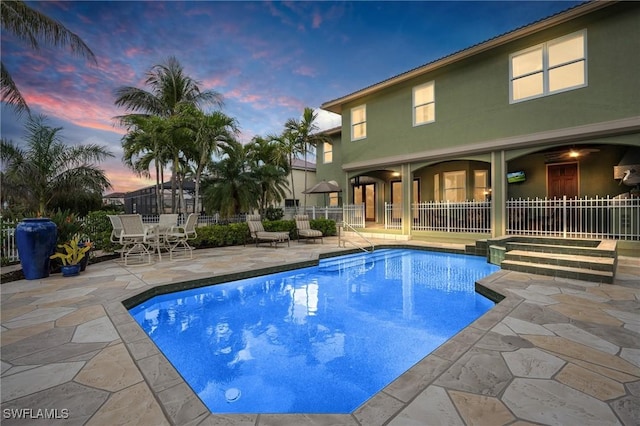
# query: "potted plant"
[[71, 255]]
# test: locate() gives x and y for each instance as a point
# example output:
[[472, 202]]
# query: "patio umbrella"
[[323, 187]]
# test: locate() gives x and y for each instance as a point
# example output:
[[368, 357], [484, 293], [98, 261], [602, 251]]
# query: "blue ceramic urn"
[[36, 240]]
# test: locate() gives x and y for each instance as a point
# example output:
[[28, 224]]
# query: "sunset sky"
[[269, 60]]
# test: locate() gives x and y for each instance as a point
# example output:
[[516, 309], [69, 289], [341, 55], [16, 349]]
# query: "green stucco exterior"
[[477, 128], [472, 96]]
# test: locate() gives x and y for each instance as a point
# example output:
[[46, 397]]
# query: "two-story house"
[[550, 110]]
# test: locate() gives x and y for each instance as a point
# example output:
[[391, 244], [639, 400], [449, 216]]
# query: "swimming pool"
[[320, 339]]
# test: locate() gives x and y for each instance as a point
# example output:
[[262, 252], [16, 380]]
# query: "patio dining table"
[[157, 236]]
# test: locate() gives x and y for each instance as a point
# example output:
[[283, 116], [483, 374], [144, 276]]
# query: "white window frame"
[[546, 69], [327, 154], [362, 123], [430, 102]]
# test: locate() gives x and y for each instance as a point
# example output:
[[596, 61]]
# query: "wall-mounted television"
[[514, 177]]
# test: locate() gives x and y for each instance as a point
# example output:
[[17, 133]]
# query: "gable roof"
[[542, 24]]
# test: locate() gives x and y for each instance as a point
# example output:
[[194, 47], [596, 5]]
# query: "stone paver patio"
[[554, 351]]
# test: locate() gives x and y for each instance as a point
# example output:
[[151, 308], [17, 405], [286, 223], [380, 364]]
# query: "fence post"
[[564, 216], [448, 216]]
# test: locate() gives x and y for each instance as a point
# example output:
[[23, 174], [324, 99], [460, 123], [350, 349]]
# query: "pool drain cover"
[[232, 394]]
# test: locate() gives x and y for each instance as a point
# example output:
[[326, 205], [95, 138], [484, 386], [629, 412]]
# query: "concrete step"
[[559, 271], [560, 249], [597, 263]]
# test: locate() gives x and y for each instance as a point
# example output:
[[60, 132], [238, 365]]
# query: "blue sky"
[[269, 60]]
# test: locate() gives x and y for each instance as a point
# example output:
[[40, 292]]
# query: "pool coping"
[[164, 380]]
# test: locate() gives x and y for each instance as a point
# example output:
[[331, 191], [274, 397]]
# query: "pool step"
[[598, 263], [560, 249], [332, 265], [583, 274]]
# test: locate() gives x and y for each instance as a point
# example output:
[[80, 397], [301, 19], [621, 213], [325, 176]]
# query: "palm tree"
[[34, 28], [49, 168], [207, 131], [305, 137], [288, 146], [270, 168], [143, 146], [170, 88], [232, 188]]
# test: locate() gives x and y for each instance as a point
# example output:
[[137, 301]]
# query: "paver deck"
[[554, 351]]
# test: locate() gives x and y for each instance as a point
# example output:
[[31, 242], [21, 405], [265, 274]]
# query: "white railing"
[[462, 216], [353, 215], [609, 218], [392, 216], [333, 213], [9, 249]]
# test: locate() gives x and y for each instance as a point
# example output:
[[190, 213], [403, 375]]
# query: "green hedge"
[[238, 233]]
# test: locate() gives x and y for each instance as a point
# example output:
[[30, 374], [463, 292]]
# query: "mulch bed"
[[14, 272]]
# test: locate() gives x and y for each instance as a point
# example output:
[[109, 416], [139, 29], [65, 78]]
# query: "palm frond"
[[34, 27], [10, 93]]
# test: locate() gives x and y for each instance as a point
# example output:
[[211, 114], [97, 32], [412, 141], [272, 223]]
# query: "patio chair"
[[258, 234], [136, 238], [178, 237], [168, 221], [116, 230], [304, 229]]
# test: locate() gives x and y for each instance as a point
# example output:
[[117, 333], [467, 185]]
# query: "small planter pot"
[[84, 261], [70, 270]]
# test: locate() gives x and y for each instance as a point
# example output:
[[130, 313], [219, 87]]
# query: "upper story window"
[[424, 104], [555, 66], [358, 122], [327, 152]]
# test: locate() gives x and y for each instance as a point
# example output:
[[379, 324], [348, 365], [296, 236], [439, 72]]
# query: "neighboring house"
[[552, 107], [299, 185], [115, 199], [143, 201]]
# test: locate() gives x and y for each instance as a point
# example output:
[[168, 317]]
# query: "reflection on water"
[[320, 339]]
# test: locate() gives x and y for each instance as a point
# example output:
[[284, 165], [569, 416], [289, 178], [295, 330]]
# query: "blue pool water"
[[315, 340]]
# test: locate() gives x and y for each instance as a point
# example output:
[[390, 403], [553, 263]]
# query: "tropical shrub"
[[221, 235], [273, 213], [68, 225], [327, 226], [98, 229]]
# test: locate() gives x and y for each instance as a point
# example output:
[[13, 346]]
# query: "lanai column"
[[498, 194], [407, 198]]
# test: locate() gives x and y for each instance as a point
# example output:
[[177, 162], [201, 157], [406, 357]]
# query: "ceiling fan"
[[569, 154]]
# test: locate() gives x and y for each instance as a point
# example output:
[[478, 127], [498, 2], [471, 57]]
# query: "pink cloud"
[[133, 51], [80, 111], [126, 181], [316, 20], [66, 68], [305, 70]]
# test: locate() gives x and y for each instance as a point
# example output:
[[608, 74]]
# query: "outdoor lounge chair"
[[304, 229], [177, 237], [258, 234]]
